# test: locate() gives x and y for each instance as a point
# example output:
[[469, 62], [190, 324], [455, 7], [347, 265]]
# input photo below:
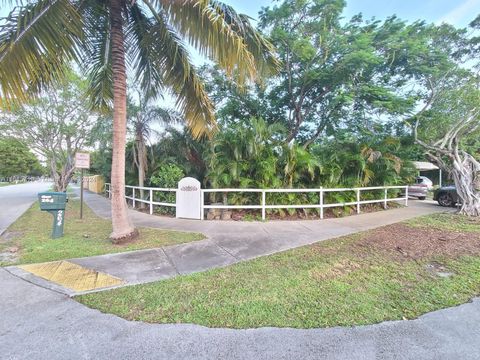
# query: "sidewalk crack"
[[228, 252], [170, 261]]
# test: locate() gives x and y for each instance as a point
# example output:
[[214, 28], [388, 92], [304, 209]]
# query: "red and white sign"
[[82, 160]]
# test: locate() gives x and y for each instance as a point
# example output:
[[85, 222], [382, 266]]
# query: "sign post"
[[82, 161]]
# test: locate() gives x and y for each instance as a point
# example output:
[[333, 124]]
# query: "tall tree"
[[39, 37], [341, 73], [55, 126], [447, 130], [16, 159]]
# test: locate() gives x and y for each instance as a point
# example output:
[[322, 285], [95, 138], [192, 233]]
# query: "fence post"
[[406, 196], [386, 197], [358, 201], [133, 196], [202, 204], [109, 191], [263, 204], [151, 199], [321, 202]]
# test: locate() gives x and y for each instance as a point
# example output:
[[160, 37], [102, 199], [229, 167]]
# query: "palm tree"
[[141, 117], [39, 38]]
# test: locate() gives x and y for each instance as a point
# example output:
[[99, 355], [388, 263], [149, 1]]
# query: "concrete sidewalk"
[[227, 242]]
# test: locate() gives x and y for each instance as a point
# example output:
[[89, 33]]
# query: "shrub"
[[166, 176]]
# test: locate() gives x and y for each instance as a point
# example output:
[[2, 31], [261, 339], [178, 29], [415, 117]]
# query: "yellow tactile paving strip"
[[72, 276]]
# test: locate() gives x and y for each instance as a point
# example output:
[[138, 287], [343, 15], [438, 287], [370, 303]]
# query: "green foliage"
[[17, 160], [253, 156], [166, 176]]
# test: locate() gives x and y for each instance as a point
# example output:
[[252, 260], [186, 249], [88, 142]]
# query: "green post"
[[58, 220]]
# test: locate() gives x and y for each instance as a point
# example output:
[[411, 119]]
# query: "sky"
[[456, 12]]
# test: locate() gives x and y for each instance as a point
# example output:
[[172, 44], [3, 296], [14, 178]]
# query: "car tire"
[[445, 200], [421, 198]]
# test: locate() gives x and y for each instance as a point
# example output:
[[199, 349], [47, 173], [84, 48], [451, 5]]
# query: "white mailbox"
[[188, 198]]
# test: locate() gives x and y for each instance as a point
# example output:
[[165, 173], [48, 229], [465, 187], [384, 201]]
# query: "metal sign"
[[82, 160]]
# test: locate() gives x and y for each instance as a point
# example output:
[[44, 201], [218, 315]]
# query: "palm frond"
[[220, 34], [141, 56], [168, 54], [37, 41], [96, 60]]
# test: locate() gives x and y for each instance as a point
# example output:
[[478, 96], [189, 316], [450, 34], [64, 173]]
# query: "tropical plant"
[[39, 38], [141, 116], [178, 146]]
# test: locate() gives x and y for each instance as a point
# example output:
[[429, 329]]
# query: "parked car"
[[424, 180], [419, 189], [446, 196]]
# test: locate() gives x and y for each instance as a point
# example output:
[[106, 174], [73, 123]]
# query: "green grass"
[[86, 237], [4, 184], [336, 282], [447, 221]]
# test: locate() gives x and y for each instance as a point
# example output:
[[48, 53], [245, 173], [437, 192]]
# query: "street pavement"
[[39, 324], [16, 199]]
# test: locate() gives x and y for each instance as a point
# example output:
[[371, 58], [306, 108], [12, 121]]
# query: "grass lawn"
[[28, 239], [395, 272], [4, 184]]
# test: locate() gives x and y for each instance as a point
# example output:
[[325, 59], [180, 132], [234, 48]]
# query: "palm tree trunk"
[[141, 170], [123, 229]]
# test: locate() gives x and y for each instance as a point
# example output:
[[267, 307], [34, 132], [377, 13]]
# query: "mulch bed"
[[401, 241]]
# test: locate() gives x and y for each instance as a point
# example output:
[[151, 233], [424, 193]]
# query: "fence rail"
[[263, 206]]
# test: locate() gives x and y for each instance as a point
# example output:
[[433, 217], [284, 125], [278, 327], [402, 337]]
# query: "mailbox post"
[[54, 203]]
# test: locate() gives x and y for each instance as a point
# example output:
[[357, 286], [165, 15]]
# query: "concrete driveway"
[[40, 324], [16, 199]]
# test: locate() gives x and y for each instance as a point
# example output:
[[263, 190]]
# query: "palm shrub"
[[245, 156]]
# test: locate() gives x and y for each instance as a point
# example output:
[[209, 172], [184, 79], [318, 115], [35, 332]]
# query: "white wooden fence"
[[263, 206]]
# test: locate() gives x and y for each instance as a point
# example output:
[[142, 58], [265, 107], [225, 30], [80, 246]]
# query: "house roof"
[[425, 165]]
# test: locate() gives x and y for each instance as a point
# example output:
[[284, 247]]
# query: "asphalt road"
[[36, 323], [16, 199]]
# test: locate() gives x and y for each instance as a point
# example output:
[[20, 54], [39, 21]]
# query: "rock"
[[214, 213], [210, 215], [226, 215]]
